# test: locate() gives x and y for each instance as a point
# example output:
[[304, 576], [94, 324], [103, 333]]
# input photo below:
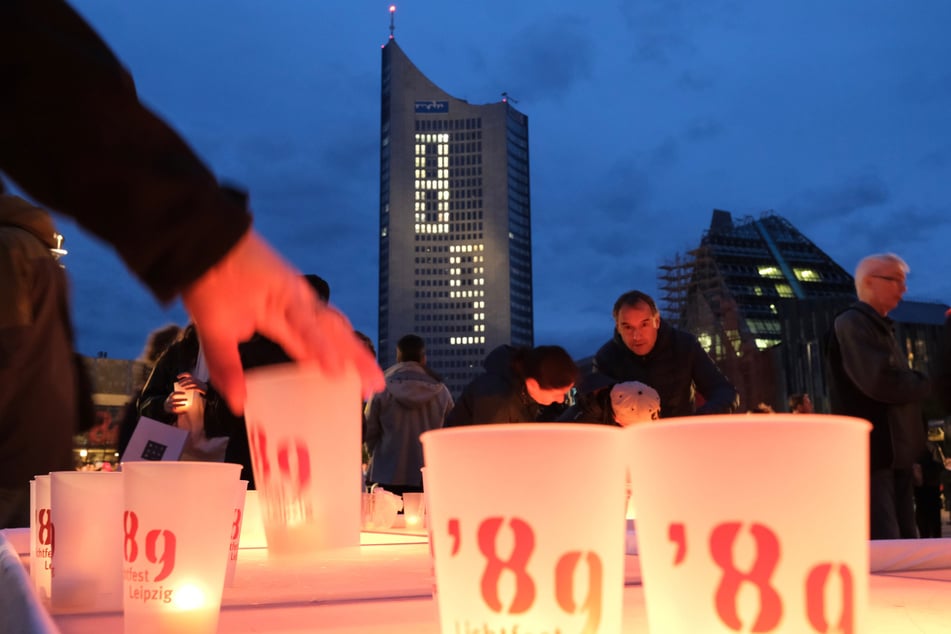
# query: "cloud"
[[544, 60], [853, 194]]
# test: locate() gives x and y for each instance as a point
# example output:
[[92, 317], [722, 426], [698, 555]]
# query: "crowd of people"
[[75, 137]]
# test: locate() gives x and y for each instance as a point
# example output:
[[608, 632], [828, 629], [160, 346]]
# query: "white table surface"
[[385, 586]]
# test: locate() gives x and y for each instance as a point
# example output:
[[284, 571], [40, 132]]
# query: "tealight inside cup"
[[177, 527], [413, 509]]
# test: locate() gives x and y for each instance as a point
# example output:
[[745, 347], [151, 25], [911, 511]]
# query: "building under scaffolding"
[[730, 290]]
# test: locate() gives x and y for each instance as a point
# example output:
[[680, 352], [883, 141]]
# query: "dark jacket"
[[413, 402], [942, 385], [40, 399], [674, 367], [75, 136], [496, 396], [869, 378]]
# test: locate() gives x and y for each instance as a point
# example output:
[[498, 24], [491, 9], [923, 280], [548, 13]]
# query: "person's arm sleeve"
[[157, 387], [720, 397], [942, 384], [872, 367], [74, 135], [374, 427], [450, 404], [461, 412]]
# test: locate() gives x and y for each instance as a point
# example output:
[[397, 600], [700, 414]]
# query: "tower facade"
[[455, 223]]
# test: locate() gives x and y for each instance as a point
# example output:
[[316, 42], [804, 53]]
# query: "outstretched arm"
[[74, 135]]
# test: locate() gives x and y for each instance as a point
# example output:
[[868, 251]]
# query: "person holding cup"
[[517, 386], [647, 349]]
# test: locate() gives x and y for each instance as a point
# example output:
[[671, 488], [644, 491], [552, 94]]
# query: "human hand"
[[188, 382], [178, 401], [253, 289]]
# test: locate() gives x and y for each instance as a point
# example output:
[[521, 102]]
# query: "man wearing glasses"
[[869, 378]]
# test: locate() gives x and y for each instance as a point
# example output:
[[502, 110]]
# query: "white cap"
[[633, 402]]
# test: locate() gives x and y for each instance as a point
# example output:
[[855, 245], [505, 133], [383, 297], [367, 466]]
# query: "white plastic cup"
[[527, 526], [236, 525], [87, 512], [252, 527], [43, 537], [189, 394], [33, 531], [752, 523], [304, 433], [413, 510], [176, 534]]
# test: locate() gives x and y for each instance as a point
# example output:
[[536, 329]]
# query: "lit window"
[[770, 271], [784, 290], [705, 341], [807, 275]]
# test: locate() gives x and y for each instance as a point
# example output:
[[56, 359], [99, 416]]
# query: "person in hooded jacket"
[[519, 385], [415, 400]]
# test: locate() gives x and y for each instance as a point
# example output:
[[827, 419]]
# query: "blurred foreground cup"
[[176, 525], [304, 433], [527, 526], [752, 523], [87, 512]]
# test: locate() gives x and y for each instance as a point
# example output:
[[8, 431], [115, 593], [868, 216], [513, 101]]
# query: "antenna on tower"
[[392, 19]]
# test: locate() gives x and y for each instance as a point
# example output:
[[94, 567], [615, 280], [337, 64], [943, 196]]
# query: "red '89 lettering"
[[159, 545], [723, 537], [292, 455], [516, 566]]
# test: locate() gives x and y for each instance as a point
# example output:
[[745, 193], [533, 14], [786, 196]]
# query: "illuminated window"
[[705, 341], [784, 290], [807, 275], [770, 271]]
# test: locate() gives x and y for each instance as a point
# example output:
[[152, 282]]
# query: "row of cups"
[[751, 523], [156, 540], [755, 522]]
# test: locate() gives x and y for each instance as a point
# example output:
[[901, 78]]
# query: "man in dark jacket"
[[869, 378], [40, 389], [671, 361]]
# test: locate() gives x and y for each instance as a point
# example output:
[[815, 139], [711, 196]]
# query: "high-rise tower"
[[455, 223]]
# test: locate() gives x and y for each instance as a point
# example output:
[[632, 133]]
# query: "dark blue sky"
[[644, 116]]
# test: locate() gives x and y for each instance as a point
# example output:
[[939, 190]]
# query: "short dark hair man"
[[644, 348], [414, 401]]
